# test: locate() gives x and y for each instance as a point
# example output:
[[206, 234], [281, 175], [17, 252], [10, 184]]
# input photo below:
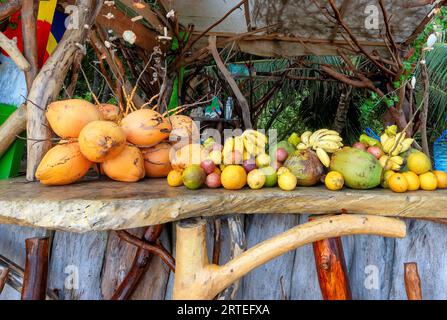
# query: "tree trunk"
[[49, 81], [342, 109]]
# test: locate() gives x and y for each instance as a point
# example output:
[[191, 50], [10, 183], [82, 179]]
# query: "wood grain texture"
[[76, 263], [331, 269], [412, 281], [36, 269], [105, 205]]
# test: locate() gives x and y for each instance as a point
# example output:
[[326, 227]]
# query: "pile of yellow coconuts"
[[127, 147]]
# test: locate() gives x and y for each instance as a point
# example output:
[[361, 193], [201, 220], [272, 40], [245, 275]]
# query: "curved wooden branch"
[[156, 249], [8, 8], [195, 278]]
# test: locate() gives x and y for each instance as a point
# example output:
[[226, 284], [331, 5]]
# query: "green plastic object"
[[10, 161]]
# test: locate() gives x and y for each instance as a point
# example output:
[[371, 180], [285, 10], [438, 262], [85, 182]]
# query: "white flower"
[[129, 36]]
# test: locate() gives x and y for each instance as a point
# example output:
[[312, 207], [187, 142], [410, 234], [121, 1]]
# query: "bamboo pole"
[[412, 281], [36, 269], [196, 278]]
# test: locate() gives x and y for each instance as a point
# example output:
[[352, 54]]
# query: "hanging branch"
[[234, 87], [424, 112], [29, 34]]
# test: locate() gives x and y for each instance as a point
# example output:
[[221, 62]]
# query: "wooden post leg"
[[412, 281], [196, 278], [331, 269], [36, 269]]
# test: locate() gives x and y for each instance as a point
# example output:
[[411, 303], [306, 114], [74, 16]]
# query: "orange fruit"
[[398, 183], [429, 182], [334, 181], [386, 176], [413, 180], [442, 179], [233, 177], [175, 178]]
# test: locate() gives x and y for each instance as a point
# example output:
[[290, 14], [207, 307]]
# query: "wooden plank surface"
[[106, 205]]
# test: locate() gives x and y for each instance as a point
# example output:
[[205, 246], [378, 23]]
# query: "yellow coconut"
[[62, 164], [68, 117], [184, 130], [101, 140], [186, 155], [109, 112], [128, 166], [145, 127], [156, 160]]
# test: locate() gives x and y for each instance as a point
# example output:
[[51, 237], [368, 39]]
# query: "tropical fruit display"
[[143, 143]]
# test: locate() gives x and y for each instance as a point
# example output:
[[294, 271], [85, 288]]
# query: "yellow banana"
[[249, 146], [228, 146], [239, 144], [384, 138], [301, 146], [327, 145], [406, 144], [398, 160], [396, 150], [305, 137], [324, 157], [333, 138], [389, 144]]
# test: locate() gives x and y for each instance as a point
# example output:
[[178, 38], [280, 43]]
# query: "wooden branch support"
[[10, 47], [16, 275], [3, 278], [196, 278], [29, 32], [412, 281], [234, 87], [48, 83], [331, 269], [9, 7], [12, 127], [36, 269], [139, 265]]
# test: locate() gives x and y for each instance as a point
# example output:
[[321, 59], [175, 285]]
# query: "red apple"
[[249, 165], [376, 152], [359, 145], [281, 154], [208, 166], [213, 180]]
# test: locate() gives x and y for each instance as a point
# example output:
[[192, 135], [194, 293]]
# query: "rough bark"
[[342, 109], [36, 269], [49, 81], [13, 126], [29, 29], [10, 47], [412, 281], [8, 8]]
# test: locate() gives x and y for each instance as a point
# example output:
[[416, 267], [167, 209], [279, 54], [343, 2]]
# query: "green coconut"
[[306, 166], [360, 169]]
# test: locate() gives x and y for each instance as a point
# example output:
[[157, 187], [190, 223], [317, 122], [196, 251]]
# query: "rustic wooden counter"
[[107, 205]]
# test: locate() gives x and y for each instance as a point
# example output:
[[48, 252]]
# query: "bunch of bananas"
[[393, 144], [254, 142], [250, 144], [323, 141]]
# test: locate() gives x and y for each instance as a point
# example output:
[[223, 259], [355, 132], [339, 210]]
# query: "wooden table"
[[107, 205]]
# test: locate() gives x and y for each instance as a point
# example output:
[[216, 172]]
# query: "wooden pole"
[[29, 32], [331, 269], [10, 47], [12, 127], [36, 269], [412, 281], [234, 87], [49, 80], [196, 278]]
